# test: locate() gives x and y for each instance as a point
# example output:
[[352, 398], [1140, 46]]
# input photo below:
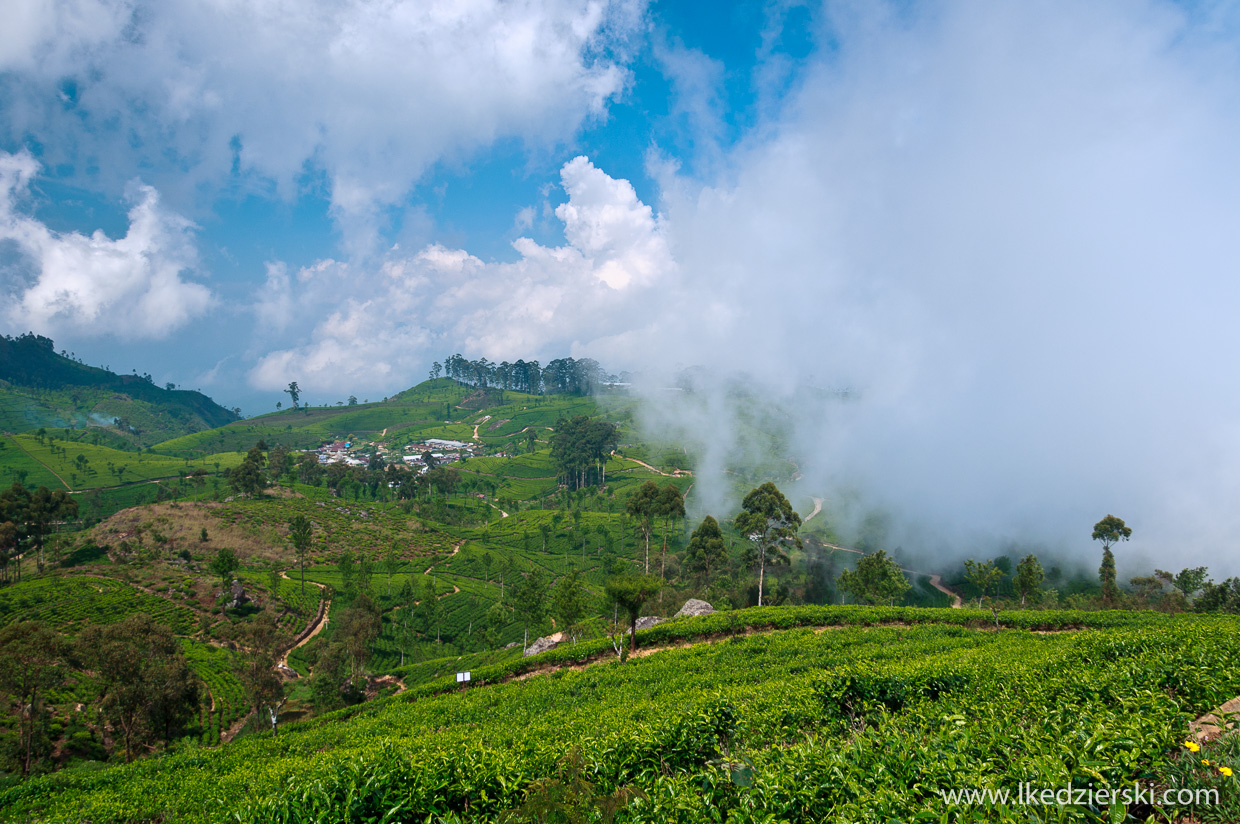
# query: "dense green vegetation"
[[42, 389], [855, 723], [792, 711]]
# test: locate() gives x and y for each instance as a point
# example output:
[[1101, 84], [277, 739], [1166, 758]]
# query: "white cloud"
[[131, 287], [1011, 229], [549, 301], [369, 92]]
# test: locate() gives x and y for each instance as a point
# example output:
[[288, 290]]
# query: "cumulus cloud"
[[1009, 231], [368, 93], [552, 301], [132, 287]]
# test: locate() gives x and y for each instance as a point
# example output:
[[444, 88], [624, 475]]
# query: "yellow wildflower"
[[1225, 771], [1192, 747], [1205, 761]]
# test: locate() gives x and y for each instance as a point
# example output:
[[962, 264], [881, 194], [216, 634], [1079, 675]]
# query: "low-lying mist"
[[982, 277]]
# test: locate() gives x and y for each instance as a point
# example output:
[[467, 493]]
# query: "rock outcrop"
[[693, 607], [239, 598], [545, 643]]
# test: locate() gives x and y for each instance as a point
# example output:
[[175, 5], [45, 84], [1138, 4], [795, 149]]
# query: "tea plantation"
[[787, 714]]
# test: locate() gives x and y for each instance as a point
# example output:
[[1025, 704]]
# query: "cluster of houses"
[[338, 452], [442, 450]]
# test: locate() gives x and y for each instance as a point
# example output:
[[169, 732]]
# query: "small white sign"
[[462, 677]]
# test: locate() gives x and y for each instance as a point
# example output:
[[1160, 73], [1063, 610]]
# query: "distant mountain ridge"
[[40, 388]]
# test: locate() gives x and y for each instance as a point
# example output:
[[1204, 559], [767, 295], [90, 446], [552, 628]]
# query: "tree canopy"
[[1111, 530], [768, 519], [579, 447], [877, 578], [707, 551], [630, 593]]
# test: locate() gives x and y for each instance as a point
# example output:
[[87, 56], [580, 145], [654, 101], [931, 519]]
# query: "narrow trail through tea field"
[[455, 550], [679, 473]]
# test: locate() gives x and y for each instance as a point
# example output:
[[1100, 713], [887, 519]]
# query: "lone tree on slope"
[[1110, 530]]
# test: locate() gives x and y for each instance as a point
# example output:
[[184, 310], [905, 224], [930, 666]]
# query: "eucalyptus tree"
[[644, 506], [671, 505], [1110, 530], [630, 593], [1028, 576], [299, 532], [983, 575], [768, 519]]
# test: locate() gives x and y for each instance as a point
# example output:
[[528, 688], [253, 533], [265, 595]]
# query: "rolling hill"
[[40, 388]]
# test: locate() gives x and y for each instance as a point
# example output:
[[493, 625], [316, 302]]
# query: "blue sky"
[[676, 83], [1008, 228]]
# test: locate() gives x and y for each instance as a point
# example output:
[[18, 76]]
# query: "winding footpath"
[[936, 581], [677, 474]]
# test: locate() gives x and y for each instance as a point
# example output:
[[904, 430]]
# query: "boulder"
[[693, 607], [239, 598], [545, 643], [648, 621]]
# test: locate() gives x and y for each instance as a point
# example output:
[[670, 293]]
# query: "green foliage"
[[56, 464], [580, 447], [707, 552], [42, 389], [1028, 577], [1107, 574], [768, 519], [1188, 581], [983, 575], [630, 593], [529, 599], [69, 603], [1111, 530], [148, 690], [876, 579], [859, 723], [568, 601], [224, 565]]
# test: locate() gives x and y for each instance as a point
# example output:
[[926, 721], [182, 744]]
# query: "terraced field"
[[67, 603]]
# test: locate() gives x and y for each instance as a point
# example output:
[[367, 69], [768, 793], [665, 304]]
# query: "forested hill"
[[40, 388]]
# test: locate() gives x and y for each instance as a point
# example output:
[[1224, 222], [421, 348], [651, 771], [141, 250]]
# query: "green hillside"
[[796, 711], [855, 723], [434, 409], [42, 389]]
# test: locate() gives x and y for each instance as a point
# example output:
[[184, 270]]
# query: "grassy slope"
[[39, 388], [60, 458]]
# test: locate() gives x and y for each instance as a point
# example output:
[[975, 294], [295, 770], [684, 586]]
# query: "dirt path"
[[455, 550], [282, 664], [817, 509], [18, 444], [677, 474], [502, 513], [937, 582], [231, 733]]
